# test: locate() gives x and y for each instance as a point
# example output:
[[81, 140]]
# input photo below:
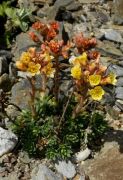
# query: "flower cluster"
[[90, 75], [50, 41], [36, 62], [82, 43], [48, 31]]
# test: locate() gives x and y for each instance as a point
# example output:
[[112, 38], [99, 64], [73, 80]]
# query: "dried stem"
[[56, 79], [32, 94], [44, 81], [65, 109]]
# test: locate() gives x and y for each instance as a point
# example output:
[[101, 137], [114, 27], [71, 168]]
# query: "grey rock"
[[12, 70], [118, 70], [107, 164], [88, 1], [24, 157], [23, 42], [27, 4], [43, 11], [5, 82], [11, 176], [113, 35], [75, 6], [119, 82], [6, 54], [118, 20], [67, 169], [78, 28], [119, 93], [42, 172], [20, 94], [118, 16], [83, 155], [3, 65], [108, 49], [12, 111], [119, 104], [120, 63], [57, 5], [121, 47], [8, 141], [62, 3]]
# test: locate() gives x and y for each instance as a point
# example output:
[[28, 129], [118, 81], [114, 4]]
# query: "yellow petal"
[[76, 72], [33, 68], [97, 93], [94, 80], [113, 79]]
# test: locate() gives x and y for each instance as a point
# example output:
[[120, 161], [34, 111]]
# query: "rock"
[[83, 155], [118, 17], [27, 4], [107, 164], [119, 93], [6, 54], [75, 6], [119, 104], [24, 157], [108, 49], [118, 70], [42, 2], [12, 111], [3, 65], [8, 141], [119, 82], [5, 82], [57, 5], [64, 15], [23, 42], [78, 28], [11, 176], [80, 177], [121, 47], [43, 11], [42, 172], [20, 94], [88, 1], [113, 35], [67, 169]]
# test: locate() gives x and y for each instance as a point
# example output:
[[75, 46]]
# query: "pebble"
[[82, 155], [67, 169]]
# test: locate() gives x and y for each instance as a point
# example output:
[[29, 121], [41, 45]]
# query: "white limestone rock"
[[8, 141]]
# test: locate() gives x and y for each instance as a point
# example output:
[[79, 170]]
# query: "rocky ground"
[[94, 18]]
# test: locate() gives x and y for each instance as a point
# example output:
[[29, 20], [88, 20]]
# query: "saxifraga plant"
[[41, 135], [55, 127]]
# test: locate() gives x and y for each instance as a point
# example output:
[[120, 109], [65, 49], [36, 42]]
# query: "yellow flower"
[[49, 70], [97, 93], [82, 59], [47, 57], [33, 68], [21, 66], [94, 79], [25, 58], [113, 79], [76, 72]]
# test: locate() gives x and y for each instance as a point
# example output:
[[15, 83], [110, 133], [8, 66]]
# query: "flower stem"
[[56, 80], [32, 94]]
